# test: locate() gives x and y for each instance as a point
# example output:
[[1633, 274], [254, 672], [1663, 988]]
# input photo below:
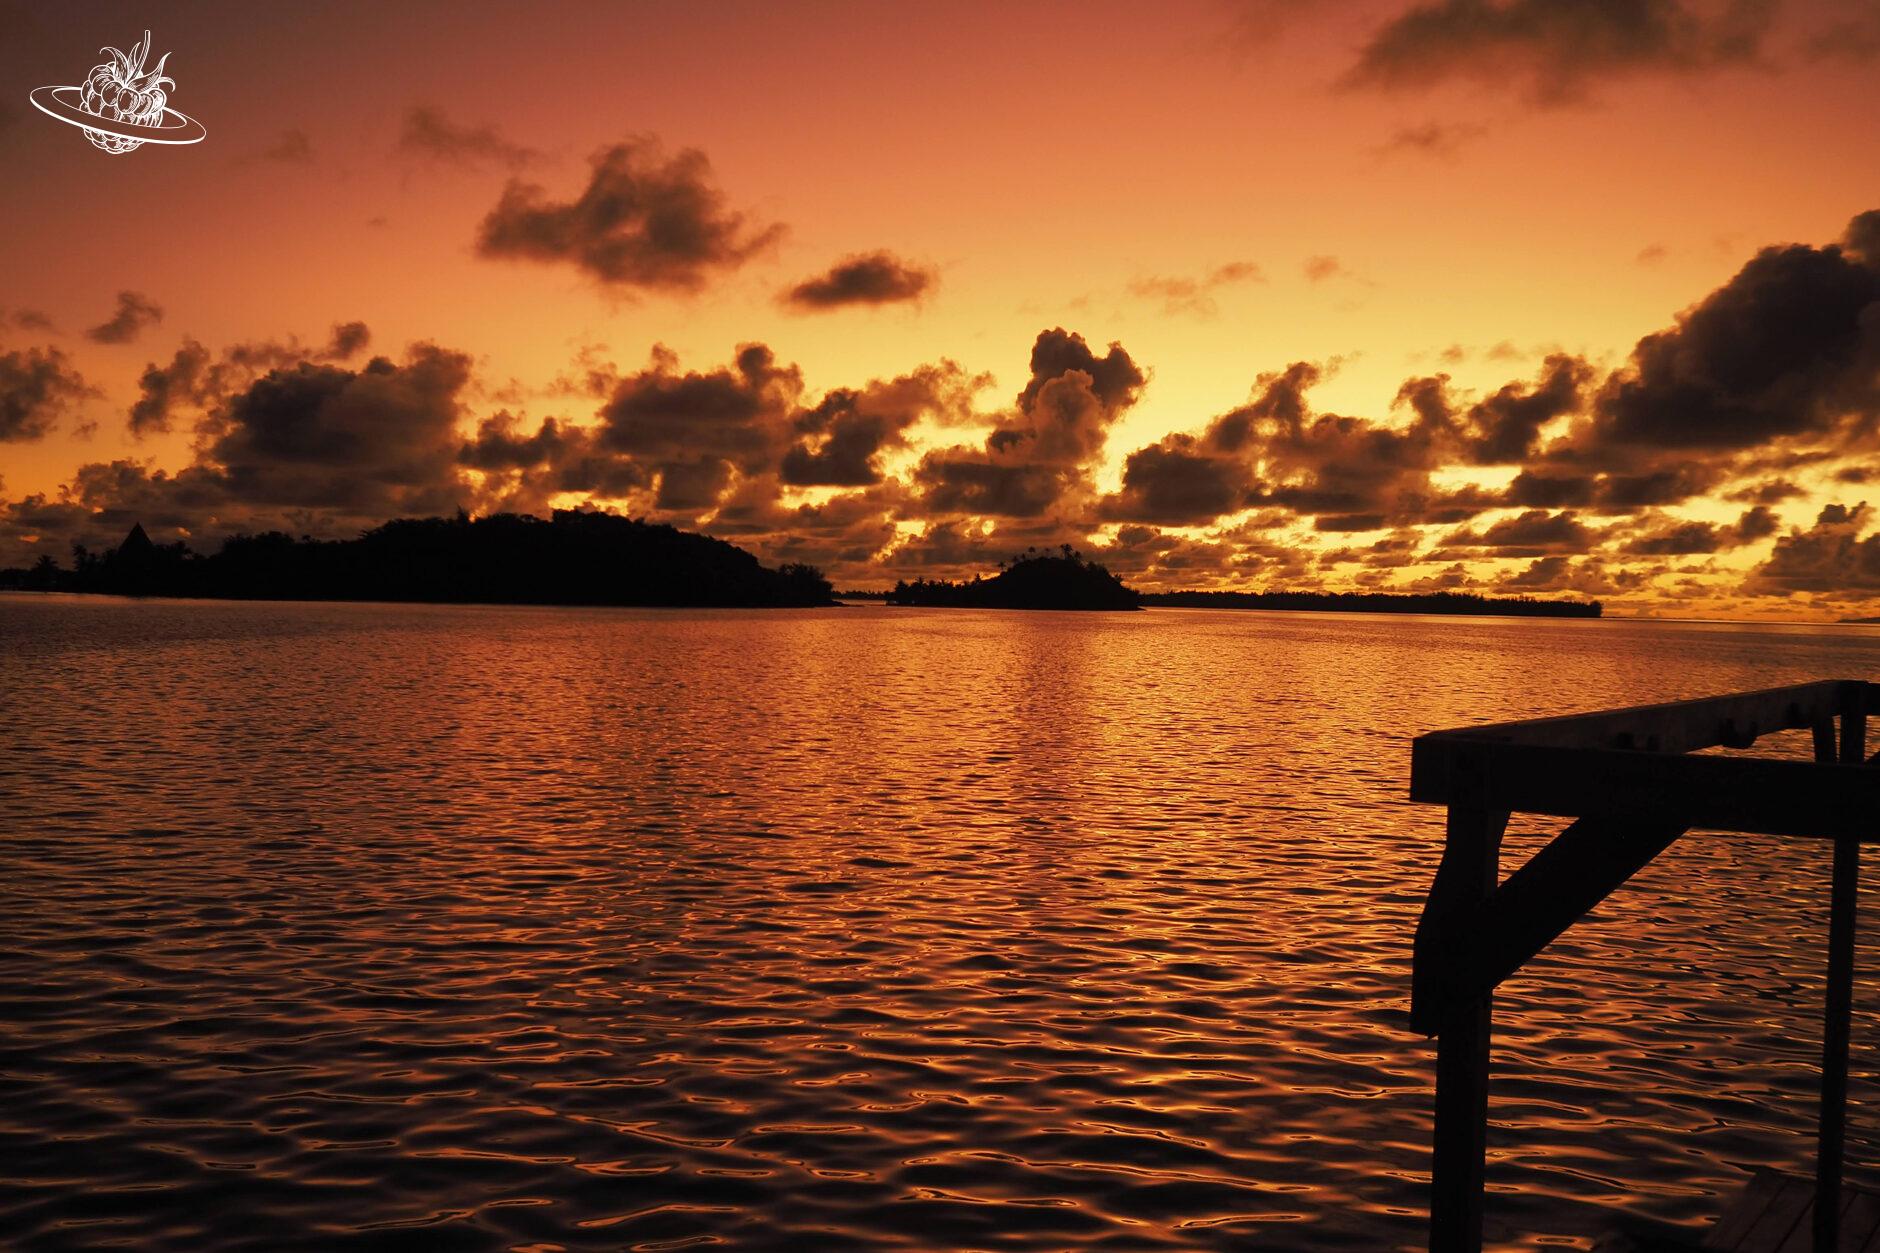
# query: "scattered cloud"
[[135, 313], [1318, 269], [1831, 556], [644, 222], [1180, 294], [38, 386], [429, 135], [870, 278], [1442, 140], [1554, 51]]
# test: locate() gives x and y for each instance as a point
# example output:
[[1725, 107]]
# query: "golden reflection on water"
[[345, 926]]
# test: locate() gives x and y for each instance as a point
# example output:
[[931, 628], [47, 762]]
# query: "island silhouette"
[[574, 557], [1033, 580]]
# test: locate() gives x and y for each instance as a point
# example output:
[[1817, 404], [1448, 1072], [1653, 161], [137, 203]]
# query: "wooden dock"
[[1776, 1213], [1633, 781]]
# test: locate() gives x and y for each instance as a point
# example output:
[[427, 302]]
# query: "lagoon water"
[[398, 927]]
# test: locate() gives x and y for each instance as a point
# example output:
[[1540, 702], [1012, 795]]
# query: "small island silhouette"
[[575, 557], [1033, 580]]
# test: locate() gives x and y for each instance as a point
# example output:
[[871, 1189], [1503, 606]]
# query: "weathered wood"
[[1741, 1214], [1749, 794], [1838, 1009], [1557, 887], [1787, 1210], [1683, 726], [1467, 874], [1775, 1214]]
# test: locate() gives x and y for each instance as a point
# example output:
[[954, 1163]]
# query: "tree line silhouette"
[[1384, 602], [575, 557]]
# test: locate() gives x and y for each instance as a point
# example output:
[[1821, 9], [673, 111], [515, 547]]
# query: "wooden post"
[[1470, 868], [1838, 1013]]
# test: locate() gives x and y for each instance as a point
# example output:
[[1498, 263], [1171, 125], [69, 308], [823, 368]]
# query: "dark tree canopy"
[[1035, 580], [573, 558]]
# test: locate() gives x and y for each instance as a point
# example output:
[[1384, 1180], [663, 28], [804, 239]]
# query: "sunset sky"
[[1559, 297]]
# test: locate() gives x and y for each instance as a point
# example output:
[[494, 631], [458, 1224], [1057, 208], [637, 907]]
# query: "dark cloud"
[[135, 313], [1038, 460], [1829, 557], [1768, 492], [1347, 473], [1532, 533], [696, 430], [311, 447], [1196, 295], [349, 339], [1776, 370], [1757, 522], [1181, 481], [38, 386], [1553, 51], [1671, 537], [644, 221], [163, 389], [1787, 349], [872, 278], [429, 135], [844, 436], [373, 443], [1503, 428], [194, 379]]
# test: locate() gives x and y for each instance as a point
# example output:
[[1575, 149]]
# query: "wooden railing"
[[1623, 778]]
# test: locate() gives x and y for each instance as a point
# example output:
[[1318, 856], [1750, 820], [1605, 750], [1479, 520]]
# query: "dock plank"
[[1775, 1214]]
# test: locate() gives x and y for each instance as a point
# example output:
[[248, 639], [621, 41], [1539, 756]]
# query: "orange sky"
[[1049, 165]]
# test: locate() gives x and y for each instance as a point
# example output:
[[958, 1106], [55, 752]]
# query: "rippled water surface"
[[354, 926]]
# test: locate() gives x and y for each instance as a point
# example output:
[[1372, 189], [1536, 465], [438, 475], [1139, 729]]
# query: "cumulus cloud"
[[1345, 473], [135, 313], [311, 447], [645, 221], [871, 278], [195, 379], [38, 386], [1788, 347], [843, 437], [1038, 459], [428, 134], [1554, 51], [1830, 557]]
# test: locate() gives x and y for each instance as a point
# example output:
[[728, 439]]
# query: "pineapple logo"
[[121, 106]]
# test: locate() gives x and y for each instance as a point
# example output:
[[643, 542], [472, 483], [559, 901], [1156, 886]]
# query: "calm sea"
[[355, 926]]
